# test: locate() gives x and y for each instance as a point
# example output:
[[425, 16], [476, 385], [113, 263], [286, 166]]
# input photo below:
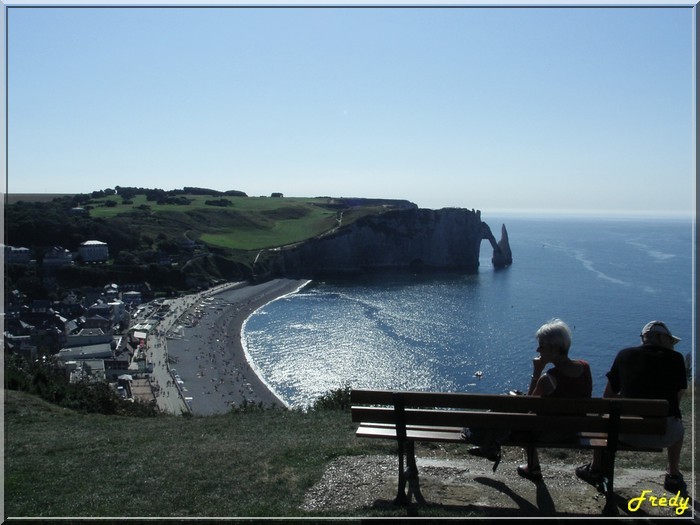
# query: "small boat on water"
[[478, 374]]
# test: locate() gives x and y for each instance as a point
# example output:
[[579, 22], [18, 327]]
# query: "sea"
[[447, 332]]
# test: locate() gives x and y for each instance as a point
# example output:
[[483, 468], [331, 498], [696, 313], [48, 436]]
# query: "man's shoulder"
[[649, 350], [631, 350]]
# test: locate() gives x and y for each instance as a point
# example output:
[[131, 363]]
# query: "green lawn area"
[[249, 223], [281, 232], [59, 463]]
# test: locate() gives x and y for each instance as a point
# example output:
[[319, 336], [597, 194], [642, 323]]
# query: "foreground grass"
[[60, 463]]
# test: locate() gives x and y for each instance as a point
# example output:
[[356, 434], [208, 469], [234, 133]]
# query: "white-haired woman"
[[566, 378]]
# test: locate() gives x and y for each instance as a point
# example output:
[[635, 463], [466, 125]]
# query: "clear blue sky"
[[491, 108]]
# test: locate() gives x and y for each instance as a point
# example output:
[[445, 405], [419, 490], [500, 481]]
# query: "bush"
[[218, 202], [338, 399]]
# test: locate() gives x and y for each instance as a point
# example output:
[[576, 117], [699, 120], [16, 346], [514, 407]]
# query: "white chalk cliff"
[[417, 239]]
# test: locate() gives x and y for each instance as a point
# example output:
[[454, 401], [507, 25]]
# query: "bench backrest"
[[642, 416]]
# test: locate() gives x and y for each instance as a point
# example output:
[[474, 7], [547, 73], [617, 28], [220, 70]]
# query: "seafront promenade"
[[169, 397], [199, 364]]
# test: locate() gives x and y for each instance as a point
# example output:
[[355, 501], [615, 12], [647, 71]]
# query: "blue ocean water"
[[605, 278]]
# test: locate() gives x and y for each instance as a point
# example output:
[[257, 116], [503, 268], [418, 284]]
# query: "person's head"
[[657, 333], [555, 335]]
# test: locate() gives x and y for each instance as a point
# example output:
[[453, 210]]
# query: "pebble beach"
[[207, 361]]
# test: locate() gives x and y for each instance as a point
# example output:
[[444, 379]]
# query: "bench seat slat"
[[413, 434], [585, 440], [504, 420]]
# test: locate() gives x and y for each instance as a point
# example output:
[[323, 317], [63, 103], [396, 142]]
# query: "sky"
[[497, 108]]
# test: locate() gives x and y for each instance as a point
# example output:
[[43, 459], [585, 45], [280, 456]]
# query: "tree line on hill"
[[155, 194], [136, 255], [55, 223], [44, 224]]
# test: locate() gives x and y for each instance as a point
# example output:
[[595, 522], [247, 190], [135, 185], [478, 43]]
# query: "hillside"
[[233, 223], [272, 463], [181, 239], [249, 463]]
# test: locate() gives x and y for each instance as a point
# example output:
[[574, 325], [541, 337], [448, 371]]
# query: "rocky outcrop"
[[502, 256], [416, 239]]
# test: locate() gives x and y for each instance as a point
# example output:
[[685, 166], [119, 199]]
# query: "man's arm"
[[609, 392]]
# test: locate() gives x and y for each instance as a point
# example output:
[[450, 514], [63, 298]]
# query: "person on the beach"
[[653, 370], [567, 378]]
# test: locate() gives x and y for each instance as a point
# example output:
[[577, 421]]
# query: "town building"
[[132, 298], [17, 255], [58, 256], [76, 353], [94, 251], [86, 370], [88, 337]]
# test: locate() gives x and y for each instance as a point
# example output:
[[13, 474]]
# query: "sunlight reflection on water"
[[434, 332]]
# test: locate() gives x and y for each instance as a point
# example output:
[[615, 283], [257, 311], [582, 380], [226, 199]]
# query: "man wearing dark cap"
[[653, 370]]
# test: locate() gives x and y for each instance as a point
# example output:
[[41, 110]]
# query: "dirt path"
[[468, 487]]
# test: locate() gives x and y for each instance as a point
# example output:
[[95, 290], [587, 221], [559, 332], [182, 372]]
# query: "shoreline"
[[239, 323], [210, 357]]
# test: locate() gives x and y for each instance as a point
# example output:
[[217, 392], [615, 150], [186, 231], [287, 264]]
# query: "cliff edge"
[[415, 239]]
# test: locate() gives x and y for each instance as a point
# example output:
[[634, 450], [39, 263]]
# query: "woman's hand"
[[538, 364]]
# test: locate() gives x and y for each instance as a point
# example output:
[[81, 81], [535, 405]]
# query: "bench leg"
[[610, 508], [401, 498], [408, 475], [530, 452], [412, 475]]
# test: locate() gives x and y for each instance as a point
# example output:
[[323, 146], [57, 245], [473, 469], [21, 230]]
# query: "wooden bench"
[[596, 423]]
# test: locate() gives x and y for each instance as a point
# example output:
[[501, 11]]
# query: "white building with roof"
[[19, 255], [132, 298], [94, 251]]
